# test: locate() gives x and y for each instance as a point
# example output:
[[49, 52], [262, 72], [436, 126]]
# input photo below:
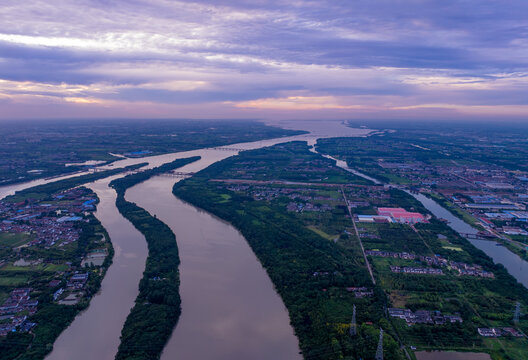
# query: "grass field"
[[15, 280], [14, 239], [517, 348], [3, 295], [454, 248], [37, 268], [322, 233]]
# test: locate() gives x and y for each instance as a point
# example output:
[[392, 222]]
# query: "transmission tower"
[[379, 351], [353, 325], [517, 313]]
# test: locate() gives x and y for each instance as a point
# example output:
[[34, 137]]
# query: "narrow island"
[[157, 307]]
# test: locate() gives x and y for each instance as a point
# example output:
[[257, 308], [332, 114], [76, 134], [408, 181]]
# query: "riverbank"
[[157, 307], [267, 213], [85, 142], [43, 190], [519, 250], [52, 269], [226, 294], [83, 340], [311, 273]]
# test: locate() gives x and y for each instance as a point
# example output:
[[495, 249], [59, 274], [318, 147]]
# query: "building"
[[401, 215], [374, 218]]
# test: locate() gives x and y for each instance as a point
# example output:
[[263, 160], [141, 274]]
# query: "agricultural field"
[[282, 218]]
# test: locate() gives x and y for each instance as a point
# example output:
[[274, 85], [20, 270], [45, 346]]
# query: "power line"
[[517, 313], [353, 325]]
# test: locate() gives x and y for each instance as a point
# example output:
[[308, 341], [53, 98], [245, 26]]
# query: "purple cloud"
[[266, 58]]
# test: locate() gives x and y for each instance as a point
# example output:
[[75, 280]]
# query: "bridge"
[[478, 236], [178, 174], [228, 149]]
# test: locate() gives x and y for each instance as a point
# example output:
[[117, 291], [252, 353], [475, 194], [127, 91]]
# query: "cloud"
[[264, 57]]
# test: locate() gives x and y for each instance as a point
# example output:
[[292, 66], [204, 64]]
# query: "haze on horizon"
[[365, 59]]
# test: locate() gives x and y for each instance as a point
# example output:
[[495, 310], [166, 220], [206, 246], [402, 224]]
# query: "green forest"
[[157, 307], [311, 272]]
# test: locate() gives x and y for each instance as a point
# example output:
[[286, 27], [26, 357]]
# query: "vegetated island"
[[158, 304], [43, 191], [307, 221], [38, 149]]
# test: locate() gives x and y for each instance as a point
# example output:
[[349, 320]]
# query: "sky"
[[361, 59]]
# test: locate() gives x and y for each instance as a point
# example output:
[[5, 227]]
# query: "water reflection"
[[94, 334], [230, 309], [512, 262]]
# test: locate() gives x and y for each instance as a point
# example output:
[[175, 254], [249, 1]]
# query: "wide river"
[[230, 309]]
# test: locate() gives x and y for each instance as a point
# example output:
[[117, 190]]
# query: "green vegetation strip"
[[311, 272], [43, 191], [291, 253], [157, 308]]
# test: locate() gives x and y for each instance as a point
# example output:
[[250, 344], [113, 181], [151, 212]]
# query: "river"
[[94, 334], [229, 306], [516, 266], [205, 279]]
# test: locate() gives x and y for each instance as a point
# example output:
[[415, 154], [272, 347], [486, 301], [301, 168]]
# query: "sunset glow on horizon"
[[264, 59]]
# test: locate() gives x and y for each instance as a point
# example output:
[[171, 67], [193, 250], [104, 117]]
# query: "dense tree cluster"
[[319, 306], [157, 307]]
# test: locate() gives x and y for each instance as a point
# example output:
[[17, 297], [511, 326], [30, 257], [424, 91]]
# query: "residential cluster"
[[48, 223], [500, 331], [40, 248], [305, 198], [73, 292], [435, 260], [416, 270], [361, 292], [424, 317], [15, 310]]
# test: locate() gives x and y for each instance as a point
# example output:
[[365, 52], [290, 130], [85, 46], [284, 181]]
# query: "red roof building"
[[401, 215]]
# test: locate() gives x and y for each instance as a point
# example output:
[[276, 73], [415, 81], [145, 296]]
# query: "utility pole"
[[353, 325], [379, 351], [517, 313]]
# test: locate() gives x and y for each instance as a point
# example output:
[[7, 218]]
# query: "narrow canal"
[[516, 266]]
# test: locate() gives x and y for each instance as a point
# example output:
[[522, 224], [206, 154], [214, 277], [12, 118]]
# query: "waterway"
[[228, 302], [94, 334], [343, 165], [230, 309], [516, 266]]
